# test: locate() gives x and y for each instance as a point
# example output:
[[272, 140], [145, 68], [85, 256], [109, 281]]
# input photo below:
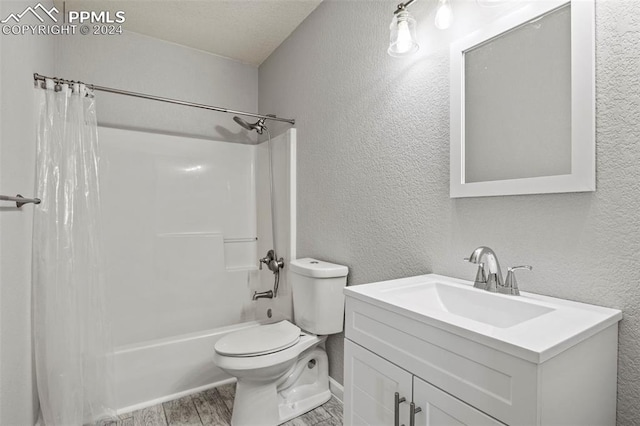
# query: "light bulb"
[[444, 15], [403, 35], [404, 43]]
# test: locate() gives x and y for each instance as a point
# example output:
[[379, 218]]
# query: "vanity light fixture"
[[403, 32], [403, 28]]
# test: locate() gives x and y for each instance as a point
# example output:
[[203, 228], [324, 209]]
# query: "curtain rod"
[[38, 77]]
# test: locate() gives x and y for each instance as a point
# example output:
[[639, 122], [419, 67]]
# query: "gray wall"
[[144, 64], [373, 161], [21, 56]]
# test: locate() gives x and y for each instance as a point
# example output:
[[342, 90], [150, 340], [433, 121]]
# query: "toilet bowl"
[[282, 370], [275, 383]]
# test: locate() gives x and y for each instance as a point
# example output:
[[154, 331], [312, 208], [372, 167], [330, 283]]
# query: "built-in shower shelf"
[[241, 240], [240, 253], [242, 268]]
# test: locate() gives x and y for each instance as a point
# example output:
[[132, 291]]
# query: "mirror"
[[523, 103]]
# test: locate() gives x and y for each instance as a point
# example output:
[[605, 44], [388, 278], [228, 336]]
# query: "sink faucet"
[[489, 276]]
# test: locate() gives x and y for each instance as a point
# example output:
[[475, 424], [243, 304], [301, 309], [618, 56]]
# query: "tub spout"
[[262, 295]]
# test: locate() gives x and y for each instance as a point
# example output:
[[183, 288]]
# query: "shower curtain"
[[73, 350]]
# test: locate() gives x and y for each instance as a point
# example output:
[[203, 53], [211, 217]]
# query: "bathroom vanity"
[[432, 350]]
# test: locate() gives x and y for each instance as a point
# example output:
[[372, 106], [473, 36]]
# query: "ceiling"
[[244, 30]]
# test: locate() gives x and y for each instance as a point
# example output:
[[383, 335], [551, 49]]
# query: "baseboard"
[[337, 390]]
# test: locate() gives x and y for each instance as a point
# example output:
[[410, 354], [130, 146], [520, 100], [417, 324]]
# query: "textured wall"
[[144, 64], [373, 161], [20, 57]]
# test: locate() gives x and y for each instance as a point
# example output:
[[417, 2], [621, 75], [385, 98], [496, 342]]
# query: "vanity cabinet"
[[438, 408], [454, 378], [373, 384], [370, 396]]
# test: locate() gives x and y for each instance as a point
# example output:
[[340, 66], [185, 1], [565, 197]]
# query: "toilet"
[[282, 368]]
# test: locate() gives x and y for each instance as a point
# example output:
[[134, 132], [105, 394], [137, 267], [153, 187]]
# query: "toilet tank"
[[318, 300]]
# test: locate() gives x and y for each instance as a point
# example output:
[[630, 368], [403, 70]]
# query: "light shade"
[[403, 35]]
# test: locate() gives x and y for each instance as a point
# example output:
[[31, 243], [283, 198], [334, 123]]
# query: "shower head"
[[258, 126], [243, 123]]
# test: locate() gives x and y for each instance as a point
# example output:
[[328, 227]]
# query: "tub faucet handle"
[[273, 263], [264, 260]]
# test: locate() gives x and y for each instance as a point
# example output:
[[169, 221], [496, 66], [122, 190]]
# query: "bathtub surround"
[[180, 227], [375, 189], [179, 233]]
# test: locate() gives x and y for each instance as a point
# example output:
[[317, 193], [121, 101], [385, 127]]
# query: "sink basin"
[[467, 302], [530, 326]]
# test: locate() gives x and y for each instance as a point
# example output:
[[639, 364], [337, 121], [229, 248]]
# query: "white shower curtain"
[[73, 349]]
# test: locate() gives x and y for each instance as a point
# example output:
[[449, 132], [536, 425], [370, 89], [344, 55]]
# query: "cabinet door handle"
[[396, 409], [412, 413]]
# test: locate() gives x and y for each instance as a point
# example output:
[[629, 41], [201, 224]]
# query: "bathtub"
[[156, 371]]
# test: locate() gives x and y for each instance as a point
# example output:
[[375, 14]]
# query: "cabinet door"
[[438, 408], [370, 384]]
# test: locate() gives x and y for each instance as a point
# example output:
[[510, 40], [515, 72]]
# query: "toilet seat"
[[261, 340]]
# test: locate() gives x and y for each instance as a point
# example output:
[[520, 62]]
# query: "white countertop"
[[530, 326]]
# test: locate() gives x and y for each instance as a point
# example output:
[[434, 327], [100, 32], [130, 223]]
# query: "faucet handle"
[[511, 284], [264, 260]]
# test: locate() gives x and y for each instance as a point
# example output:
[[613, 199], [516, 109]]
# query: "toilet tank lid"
[[317, 268]]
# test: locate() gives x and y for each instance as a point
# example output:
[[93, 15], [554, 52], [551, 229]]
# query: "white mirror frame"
[[583, 155]]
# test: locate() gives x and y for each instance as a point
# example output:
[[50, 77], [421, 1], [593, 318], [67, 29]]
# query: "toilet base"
[[290, 411], [304, 387], [255, 404]]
